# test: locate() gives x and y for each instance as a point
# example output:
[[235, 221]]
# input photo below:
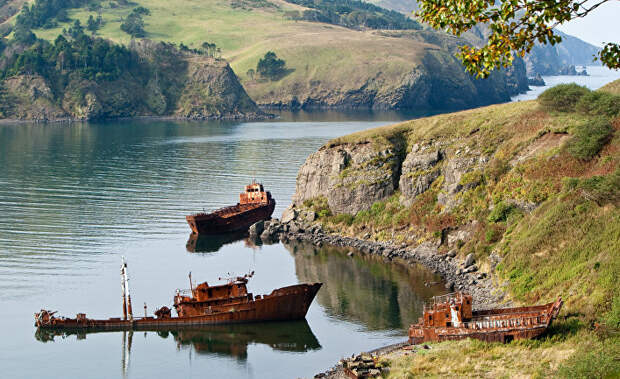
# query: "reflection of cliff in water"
[[227, 340], [363, 287], [198, 243]]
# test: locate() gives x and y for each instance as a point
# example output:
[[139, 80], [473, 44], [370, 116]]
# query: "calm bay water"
[[75, 198]]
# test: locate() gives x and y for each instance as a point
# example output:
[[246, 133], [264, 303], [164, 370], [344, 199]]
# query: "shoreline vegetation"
[[515, 203]]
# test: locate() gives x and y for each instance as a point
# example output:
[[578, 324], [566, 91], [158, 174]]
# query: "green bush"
[[324, 213], [500, 212], [601, 189], [599, 104], [562, 98], [344, 218], [589, 138], [377, 208]]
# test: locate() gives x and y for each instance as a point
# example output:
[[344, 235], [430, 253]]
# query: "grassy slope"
[[316, 52], [569, 246]]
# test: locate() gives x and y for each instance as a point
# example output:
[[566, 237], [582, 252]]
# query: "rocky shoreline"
[[458, 275], [69, 120]]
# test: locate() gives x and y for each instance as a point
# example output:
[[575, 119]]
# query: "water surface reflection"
[[364, 288], [225, 340]]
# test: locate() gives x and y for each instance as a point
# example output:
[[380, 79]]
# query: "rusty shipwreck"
[[254, 204], [450, 317], [200, 305]]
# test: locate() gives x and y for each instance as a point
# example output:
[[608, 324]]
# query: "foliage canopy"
[[271, 67], [514, 25]]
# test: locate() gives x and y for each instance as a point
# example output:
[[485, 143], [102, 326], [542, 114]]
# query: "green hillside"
[[531, 190], [328, 65]]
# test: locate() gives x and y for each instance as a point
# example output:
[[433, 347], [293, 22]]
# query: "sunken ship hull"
[[255, 204], [287, 303], [454, 319], [235, 218]]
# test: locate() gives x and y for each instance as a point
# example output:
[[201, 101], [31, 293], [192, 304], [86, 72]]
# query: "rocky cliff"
[[518, 189], [429, 77], [167, 83]]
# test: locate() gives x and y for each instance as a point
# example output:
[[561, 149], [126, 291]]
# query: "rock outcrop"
[[419, 171], [183, 85], [351, 177], [354, 176]]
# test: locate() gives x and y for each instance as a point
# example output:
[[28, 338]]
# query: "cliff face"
[[433, 78], [353, 176], [182, 85], [503, 189]]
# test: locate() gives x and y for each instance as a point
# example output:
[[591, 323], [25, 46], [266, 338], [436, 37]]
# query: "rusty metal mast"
[[123, 289], [127, 311]]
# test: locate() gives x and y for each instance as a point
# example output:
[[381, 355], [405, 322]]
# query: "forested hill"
[[78, 76], [351, 55]]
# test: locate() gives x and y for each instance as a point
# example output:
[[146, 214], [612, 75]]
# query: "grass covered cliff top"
[[543, 218]]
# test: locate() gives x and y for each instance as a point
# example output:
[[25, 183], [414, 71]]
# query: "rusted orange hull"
[[230, 219], [287, 303], [495, 325]]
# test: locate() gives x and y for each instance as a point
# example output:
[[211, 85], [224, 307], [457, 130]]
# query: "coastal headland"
[[514, 203]]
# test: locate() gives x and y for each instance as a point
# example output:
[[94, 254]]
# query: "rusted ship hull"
[[496, 325], [235, 218], [288, 303]]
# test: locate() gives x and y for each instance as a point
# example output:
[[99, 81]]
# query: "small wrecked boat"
[[450, 317], [255, 204], [201, 305]]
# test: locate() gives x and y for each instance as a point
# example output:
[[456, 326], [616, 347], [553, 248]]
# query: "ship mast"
[[127, 311]]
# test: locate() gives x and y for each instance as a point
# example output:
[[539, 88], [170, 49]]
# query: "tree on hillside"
[[515, 25], [271, 67], [134, 24], [251, 73], [93, 24]]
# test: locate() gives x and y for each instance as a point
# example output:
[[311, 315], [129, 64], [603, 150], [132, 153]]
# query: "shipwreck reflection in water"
[[224, 340], [198, 243], [364, 288]]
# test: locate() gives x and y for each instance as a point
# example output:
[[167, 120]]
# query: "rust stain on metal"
[[254, 204], [450, 317], [201, 305]]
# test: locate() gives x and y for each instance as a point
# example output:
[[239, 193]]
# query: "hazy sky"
[[602, 25]]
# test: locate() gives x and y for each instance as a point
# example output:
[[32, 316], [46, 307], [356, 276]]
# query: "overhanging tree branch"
[[516, 25]]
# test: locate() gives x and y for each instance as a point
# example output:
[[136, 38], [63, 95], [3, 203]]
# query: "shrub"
[[500, 212], [344, 218], [599, 104], [271, 67], [492, 235], [589, 138], [562, 98], [324, 213], [601, 189]]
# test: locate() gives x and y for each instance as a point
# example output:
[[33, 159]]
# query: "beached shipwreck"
[[200, 305], [255, 204], [451, 317]]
